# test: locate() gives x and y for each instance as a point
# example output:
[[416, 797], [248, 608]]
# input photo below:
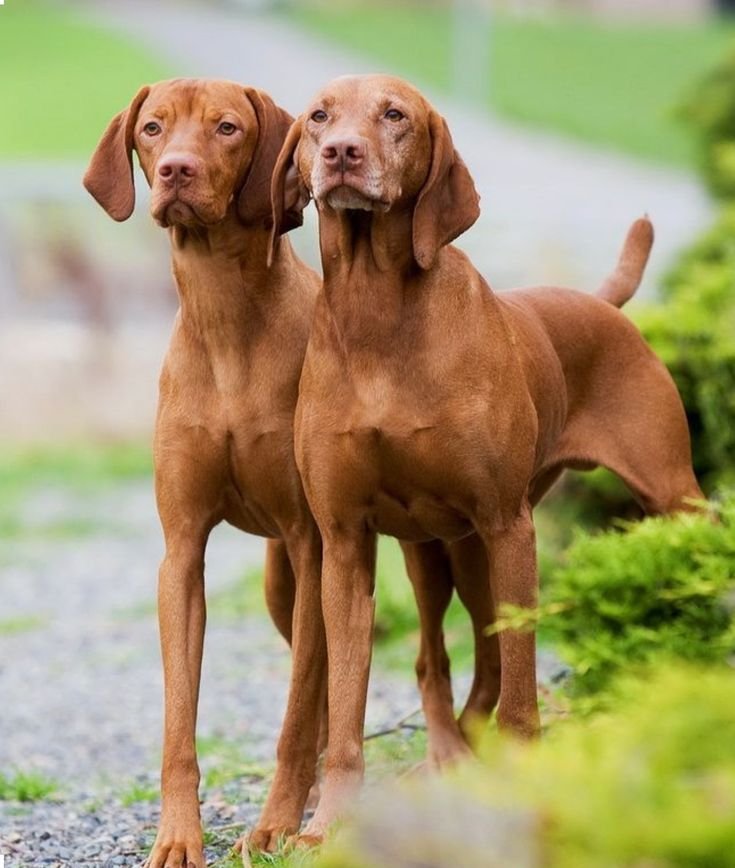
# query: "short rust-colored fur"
[[224, 430], [431, 408]]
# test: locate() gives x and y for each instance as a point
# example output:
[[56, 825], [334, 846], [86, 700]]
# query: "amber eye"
[[226, 128], [319, 116], [394, 115], [152, 128]]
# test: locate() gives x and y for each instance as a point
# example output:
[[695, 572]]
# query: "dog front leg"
[[181, 616], [296, 755], [348, 579], [280, 598]]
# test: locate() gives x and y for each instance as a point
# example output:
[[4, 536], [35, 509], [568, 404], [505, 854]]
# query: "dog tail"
[[621, 285]]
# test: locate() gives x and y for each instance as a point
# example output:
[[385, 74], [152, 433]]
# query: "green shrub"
[[694, 334], [663, 587], [650, 784], [655, 780]]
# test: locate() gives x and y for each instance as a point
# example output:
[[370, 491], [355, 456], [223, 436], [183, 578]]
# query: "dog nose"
[[177, 169], [344, 153]]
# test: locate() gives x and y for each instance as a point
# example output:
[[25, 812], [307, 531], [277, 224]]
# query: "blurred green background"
[[610, 82]]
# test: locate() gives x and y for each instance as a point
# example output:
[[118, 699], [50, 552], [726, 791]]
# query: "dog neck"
[[370, 273], [223, 279], [370, 242]]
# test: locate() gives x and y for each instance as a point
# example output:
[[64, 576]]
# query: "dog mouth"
[[352, 194], [173, 210]]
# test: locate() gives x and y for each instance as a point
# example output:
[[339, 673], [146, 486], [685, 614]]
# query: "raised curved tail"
[[621, 285]]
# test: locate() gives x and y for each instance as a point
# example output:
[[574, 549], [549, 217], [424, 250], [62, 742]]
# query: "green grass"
[[609, 84], [80, 468], [388, 756], [137, 793], [77, 465], [21, 624], [243, 597], [223, 761], [13, 527], [295, 859], [63, 78], [25, 787]]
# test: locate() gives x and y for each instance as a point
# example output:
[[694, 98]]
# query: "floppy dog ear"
[[254, 201], [289, 194], [448, 203], [109, 176]]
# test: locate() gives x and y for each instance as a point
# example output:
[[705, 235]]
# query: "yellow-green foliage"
[[653, 780], [662, 587], [652, 783]]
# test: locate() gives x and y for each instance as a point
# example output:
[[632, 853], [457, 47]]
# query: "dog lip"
[[351, 182], [180, 209], [175, 209], [172, 210]]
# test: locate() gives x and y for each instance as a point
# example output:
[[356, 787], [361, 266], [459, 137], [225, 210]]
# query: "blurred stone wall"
[[85, 310]]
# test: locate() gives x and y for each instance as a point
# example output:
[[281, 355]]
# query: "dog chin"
[[178, 213], [345, 198]]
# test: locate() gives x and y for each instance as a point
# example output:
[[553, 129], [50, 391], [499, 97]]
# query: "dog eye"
[[226, 128], [394, 115], [319, 116], [152, 128]]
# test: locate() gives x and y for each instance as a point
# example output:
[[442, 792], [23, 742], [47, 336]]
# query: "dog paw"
[[448, 753], [306, 842], [312, 835], [264, 840], [241, 846], [177, 852]]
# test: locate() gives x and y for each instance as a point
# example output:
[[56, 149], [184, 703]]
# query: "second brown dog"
[[432, 408]]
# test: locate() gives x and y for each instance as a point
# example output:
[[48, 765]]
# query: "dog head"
[[374, 143], [203, 146]]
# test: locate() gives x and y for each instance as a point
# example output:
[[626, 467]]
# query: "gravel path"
[[81, 689]]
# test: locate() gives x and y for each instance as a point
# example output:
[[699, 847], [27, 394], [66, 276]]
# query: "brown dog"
[[431, 408], [224, 431]]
